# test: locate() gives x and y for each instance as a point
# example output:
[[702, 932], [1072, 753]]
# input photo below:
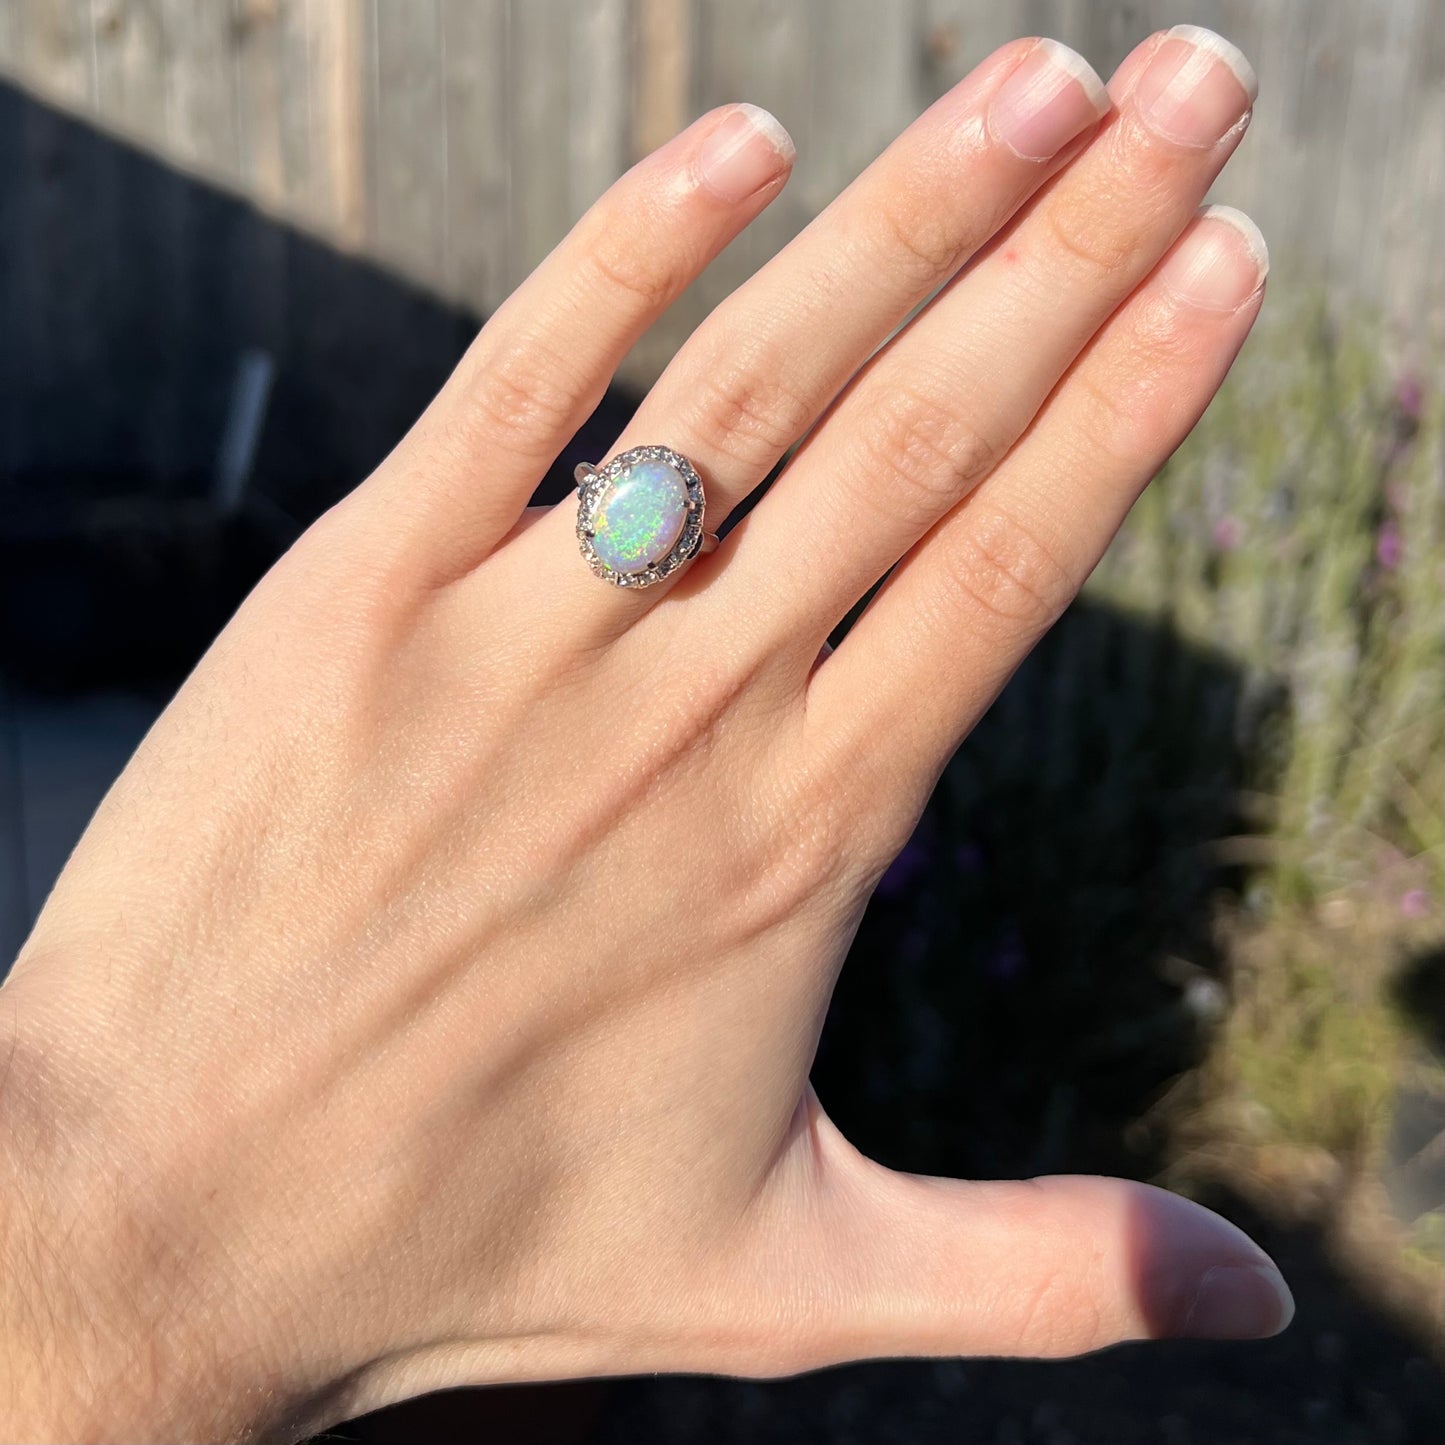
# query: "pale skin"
[[432, 999]]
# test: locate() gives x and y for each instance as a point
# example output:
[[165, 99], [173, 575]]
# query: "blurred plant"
[[1330, 597], [1313, 1048], [1237, 728], [1301, 532]]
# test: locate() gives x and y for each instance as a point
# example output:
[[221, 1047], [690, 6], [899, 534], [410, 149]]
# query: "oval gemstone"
[[641, 516]]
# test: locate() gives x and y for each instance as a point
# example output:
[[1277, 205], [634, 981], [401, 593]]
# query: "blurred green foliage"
[[1301, 532], [1237, 729]]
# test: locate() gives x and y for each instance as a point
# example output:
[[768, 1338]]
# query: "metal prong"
[[582, 471]]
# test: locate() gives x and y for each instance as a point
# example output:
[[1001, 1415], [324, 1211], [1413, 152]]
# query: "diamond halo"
[[592, 490]]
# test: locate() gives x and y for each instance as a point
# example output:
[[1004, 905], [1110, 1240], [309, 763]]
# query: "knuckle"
[[1005, 571], [1087, 236], [748, 412], [519, 400], [922, 238], [636, 276], [1139, 398], [1166, 335], [1117, 415], [927, 456]]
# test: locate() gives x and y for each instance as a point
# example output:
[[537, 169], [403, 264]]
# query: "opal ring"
[[640, 516]]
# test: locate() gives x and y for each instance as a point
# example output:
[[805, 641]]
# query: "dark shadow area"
[[1034, 971], [134, 300], [1414, 1174], [1037, 964], [1345, 1373], [1419, 993]]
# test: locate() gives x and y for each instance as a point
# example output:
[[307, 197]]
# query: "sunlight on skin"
[[433, 998]]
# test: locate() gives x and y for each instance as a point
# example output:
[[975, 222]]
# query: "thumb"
[[878, 1263]]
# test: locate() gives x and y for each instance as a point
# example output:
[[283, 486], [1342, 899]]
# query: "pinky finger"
[[966, 604]]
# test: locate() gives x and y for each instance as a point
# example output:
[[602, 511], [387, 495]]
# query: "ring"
[[640, 517]]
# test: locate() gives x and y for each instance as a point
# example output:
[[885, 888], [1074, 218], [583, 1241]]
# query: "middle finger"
[[930, 416], [762, 368]]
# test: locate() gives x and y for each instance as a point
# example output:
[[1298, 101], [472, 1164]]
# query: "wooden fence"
[[455, 140]]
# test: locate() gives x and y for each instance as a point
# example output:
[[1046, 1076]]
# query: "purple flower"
[[1410, 396], [1228, 534], [1389, 546], [1415, 903]]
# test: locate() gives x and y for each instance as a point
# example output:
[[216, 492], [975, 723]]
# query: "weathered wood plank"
[[256, 61], [132, 69], [662, 101], [336, 123], [759, 51], [960, 33], [200, 88], [408, 137], [598, 112], [539, 34], [477, 110], [40, 317], [865, 89], [1411, 162], [456, 140], [13, 27], [55, 49]]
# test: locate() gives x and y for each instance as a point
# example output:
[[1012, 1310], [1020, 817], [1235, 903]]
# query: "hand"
[[432, 999]]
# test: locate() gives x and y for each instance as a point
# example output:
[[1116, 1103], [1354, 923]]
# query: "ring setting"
[[640, 517]]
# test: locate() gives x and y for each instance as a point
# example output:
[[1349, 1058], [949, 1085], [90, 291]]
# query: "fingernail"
[[1196, 88], [1239, 1302], [1050, 98], [746, 150], [1220, 263]]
